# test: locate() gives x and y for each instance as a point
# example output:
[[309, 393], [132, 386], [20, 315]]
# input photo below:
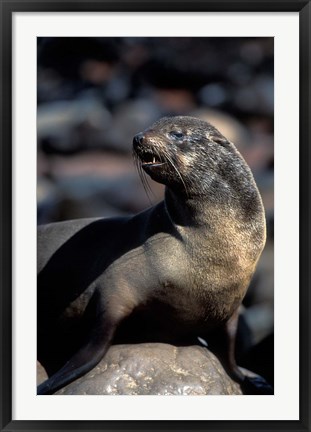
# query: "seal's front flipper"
[[224, 348], [256, 385], [83, 361]]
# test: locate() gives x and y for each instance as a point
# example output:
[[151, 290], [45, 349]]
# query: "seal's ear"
[[220, 139]]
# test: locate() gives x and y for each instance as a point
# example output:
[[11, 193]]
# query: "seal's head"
[[194, 160], [189, 154]]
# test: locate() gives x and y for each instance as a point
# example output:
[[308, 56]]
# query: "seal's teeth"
[[153, 160]]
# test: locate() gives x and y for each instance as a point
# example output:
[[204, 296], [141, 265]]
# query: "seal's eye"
[[176, 134]]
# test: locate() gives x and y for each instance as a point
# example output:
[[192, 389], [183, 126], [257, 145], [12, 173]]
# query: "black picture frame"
[[7, 9]]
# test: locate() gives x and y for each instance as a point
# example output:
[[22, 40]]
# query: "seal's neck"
[[204, 211], [185, 211]]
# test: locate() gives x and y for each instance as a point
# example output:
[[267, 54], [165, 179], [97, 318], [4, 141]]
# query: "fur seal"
[[178, 269]]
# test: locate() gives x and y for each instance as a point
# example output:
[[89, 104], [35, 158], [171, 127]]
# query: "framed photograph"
[[163, 151]]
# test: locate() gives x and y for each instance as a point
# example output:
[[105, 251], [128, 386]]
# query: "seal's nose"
[[138, 139]]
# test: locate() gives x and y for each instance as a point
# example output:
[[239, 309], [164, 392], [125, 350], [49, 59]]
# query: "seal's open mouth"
[[149, 159]]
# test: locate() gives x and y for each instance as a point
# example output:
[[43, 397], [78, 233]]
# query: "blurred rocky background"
[[95, 94]]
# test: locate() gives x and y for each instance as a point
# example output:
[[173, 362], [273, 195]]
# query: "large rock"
[[155, 369], [41, 373]]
